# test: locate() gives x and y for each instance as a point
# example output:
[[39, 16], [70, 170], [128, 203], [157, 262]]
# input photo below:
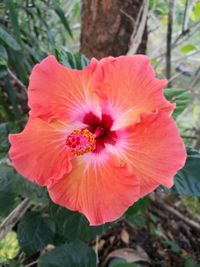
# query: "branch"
[[182, 37], [186, 17], [169, 40], [96, 249], [10, 221], [163, 206], [31, 264], [195, 79], [17, 80], [176, 59], [139, 28]]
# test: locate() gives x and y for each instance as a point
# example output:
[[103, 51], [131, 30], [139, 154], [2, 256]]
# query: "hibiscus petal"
[[100, 190], [155, 151], [39, 153], [58, 92], [128, 86]]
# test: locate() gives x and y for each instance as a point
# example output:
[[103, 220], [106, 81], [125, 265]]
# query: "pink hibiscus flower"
[[99, 138]]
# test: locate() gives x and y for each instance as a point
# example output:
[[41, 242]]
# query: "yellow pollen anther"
[[81, 141]]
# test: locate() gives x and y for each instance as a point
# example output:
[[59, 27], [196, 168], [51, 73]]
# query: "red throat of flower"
[[81, 141]]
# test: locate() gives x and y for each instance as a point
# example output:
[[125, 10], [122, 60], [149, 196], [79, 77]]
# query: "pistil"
[[81, 141]]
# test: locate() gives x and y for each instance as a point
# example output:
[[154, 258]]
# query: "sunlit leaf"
[[164, 20], [196, 114], [188, 48], [154, 62], [9, 247], [76, 9], [192, 15], [197, 10]]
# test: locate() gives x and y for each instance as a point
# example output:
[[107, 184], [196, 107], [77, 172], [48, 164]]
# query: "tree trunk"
[[111, 27]]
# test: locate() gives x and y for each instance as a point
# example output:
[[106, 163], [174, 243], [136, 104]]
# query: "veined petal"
[[155, 151], [128, 86], [62, 93], [100, 189], [39, 153]]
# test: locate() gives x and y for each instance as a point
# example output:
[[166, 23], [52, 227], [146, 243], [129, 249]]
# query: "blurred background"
[[162, 229]]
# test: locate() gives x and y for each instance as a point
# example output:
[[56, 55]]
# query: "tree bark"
[[108, 27]]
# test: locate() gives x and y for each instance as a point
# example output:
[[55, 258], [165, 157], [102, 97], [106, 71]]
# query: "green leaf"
[[138, 220], [188, 48], [34, 192], [69, 255], [62, 17], [7, 190], [4, 145], [173, 246], [135, 214], [33, 233], [189, 262], [13, 18], [7, 39], [5, 112], [126, 265], [12, 97], [14, 263], [19, 63], [179, 96], [139, 207], [72, 225], [3, 56], [160, 10], [3, 73], [73, 61], [117, 262], [48, 29], [187, 180], [5, 129], [81, 61]]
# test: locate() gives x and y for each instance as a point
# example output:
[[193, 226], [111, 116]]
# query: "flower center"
[[81, 141], [101, 128]]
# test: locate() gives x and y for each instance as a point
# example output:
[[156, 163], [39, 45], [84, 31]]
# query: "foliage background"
[[33, 230]]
